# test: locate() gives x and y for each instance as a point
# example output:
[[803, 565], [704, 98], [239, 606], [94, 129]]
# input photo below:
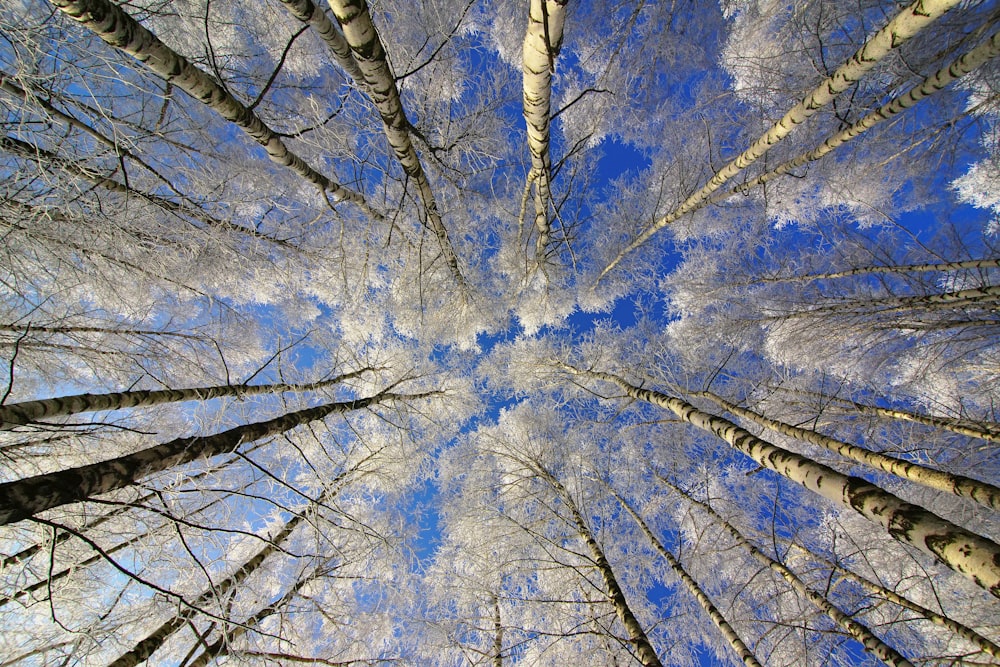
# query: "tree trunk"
[[959, 629], [121, 31], [542, 41], [962, 486], [963, 551], [26, 497], [28, 151], [497, 634], [28, 412], [647, 656], [742, 651], [369, 53], [315, 17], [859, 631], [153, 641], [909, 268], [974, 429], [901, 28], [932, 84]]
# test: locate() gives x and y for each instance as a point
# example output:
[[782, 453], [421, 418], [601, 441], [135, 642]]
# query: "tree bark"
[[29, 151], [739, 647], [28, 412], [961, 486], [908, 268], [26, 497], [542, 40], [316, 18], [901, 28], [974, 429], [123, 32], [153, 641], [932, 84], [858, 630], [369, 53], [941, 620], [963, 551], [636, 634]]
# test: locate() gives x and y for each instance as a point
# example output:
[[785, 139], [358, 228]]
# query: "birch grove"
[[511, 334]]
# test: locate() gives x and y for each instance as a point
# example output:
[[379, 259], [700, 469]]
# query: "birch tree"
[[432, 384]]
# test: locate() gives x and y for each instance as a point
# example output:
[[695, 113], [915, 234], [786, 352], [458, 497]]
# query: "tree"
[[471, 333]]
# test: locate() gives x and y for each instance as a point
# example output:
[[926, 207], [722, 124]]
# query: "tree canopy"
[[522, 333]]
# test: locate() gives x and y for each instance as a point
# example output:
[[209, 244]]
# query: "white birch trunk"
[[542, 40], [28, 412], [932, 84], [647, 656], [123, 32], [963, 551], [739, 647], [901, 28], [969, 264], [962, 486], [316, 18], [360, 33], [23, 498], [858, 630], [941, 620]]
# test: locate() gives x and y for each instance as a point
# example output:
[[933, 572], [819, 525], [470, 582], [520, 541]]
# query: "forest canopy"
[[499, 333]]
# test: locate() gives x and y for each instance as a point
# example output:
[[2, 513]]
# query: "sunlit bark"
[[932, 84], [974, 429], [27, 412], [121, 31], [963, 551], [542, 40], [961, 486], [636, 634], [26, 497], [901, 28], [369, 53], [739, 647], [858, 630]]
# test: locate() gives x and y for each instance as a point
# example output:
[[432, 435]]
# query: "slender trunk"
[[114, 26], [636, 634], [9, 85], [962, 486], [153, 641], [932, 84], [497, 634], [974, 296], [28, 151], [28, 412], [369, 53], [542, 40], [941, 620], [975, 429], [908, 268], [25, 497], [30, 551], [740, 648], [220, 646], [963, 551], [316, 18], [901, 28], [57, 575], [858, 630]]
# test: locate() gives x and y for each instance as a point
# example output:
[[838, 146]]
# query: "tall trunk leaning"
[[637, 635], [965, 487], [962, 550], [856, 629], [26, 497], [738, 645]]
